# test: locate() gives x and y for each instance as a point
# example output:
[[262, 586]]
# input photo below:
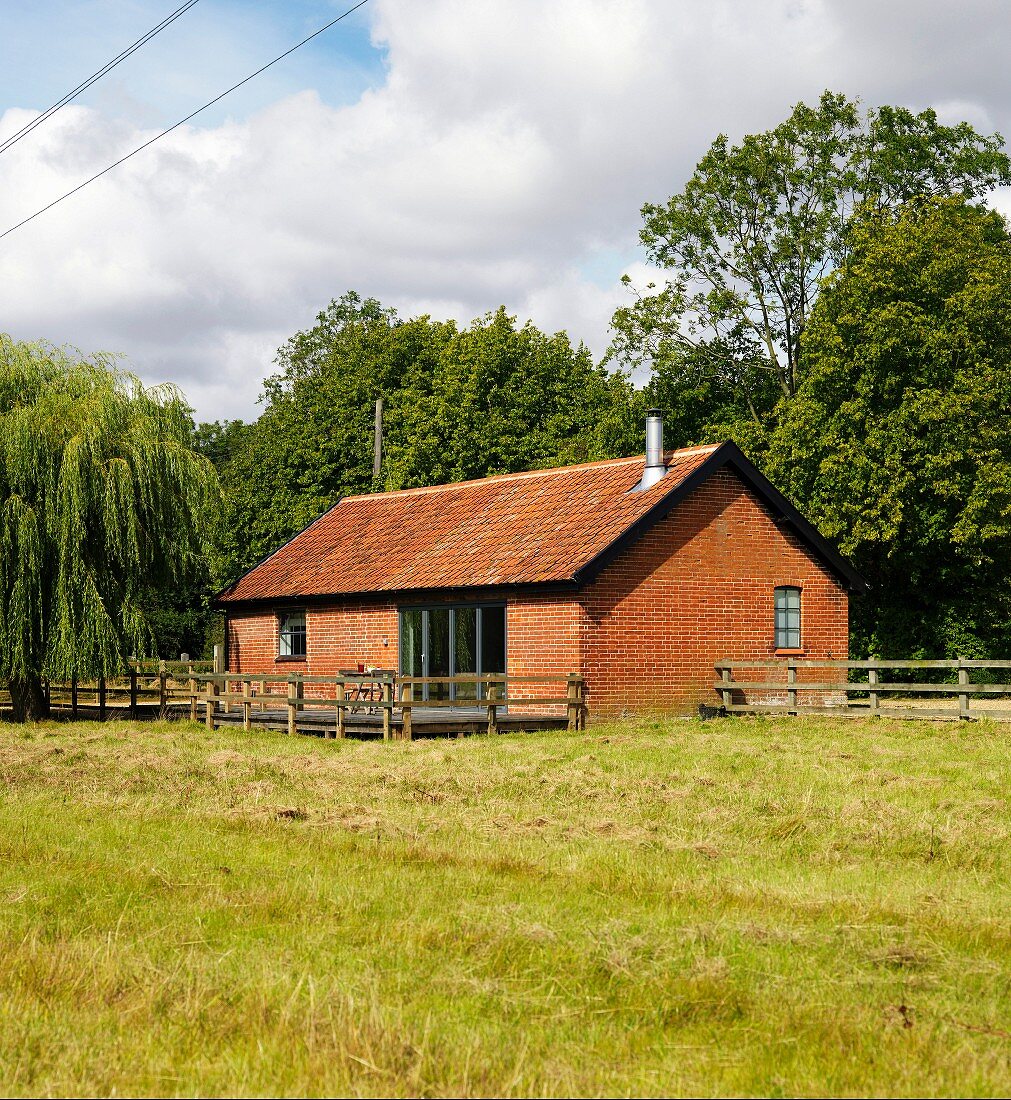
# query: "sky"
[[443, 156]]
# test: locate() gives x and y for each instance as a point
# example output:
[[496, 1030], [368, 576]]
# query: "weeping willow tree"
[[101, 500]]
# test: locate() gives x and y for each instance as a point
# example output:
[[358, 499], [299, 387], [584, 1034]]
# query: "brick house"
[[637, 575]]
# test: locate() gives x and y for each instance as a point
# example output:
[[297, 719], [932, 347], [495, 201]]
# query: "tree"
[[101, 503], [760, 224], [898, 441], [492, 398], [313, 443], [219, 440], [502, 398]]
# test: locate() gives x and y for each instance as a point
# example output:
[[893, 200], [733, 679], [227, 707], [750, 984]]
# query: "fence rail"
[[788, 689], [174, 687], [146, 684], [396, 698]]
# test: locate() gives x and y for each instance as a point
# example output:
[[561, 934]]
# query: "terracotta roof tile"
[[534, 527]]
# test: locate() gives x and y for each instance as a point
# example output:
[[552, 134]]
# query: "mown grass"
[[741, 906]]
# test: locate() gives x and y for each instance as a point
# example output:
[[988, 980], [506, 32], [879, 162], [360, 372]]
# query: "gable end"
[[730, 455]]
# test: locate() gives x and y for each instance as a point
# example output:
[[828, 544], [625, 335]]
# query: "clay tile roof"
[[528, 528]]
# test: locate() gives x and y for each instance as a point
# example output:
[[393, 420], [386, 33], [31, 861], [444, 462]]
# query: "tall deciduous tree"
[[898, 441], [495, 397], [101, 502], [747, 242]]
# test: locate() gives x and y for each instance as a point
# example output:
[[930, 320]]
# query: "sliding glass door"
[[452, 640]]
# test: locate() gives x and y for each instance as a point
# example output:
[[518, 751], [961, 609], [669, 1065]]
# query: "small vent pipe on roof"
[[655, 468]]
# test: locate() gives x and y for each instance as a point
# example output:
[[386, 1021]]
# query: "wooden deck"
[[425, 721], [319, 722], [375, 703]]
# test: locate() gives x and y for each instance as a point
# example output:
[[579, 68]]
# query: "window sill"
[[790, 652], [289, 660]]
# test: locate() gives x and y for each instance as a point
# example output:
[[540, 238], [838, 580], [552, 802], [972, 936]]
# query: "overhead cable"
[[181, 122], [84, 85]]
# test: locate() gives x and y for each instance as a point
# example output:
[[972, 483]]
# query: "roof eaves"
[[415, 595]]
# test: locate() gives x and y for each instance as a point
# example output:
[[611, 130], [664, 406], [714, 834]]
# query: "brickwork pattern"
[[697, 588]]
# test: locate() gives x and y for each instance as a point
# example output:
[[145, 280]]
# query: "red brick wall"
[[543, 638], [338, 637], [696, 588]]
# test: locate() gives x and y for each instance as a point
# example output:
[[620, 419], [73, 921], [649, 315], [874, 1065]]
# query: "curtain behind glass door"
[[493, 643], [465, 649], [411, 643], [438, 650]]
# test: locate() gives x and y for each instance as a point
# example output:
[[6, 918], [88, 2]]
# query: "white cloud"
[[503, 161]]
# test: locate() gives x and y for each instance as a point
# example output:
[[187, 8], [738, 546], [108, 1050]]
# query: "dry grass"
[[744, 906]]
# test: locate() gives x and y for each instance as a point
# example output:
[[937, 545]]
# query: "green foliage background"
[[899, 439], [491, 398]]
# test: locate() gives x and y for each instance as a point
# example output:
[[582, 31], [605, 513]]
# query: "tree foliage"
[[102, 503], [494, 397], [898, 442], [757, 227]]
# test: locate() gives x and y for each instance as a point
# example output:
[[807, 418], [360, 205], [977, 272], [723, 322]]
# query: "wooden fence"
[[396, 703], [146, 685], [790, 686]]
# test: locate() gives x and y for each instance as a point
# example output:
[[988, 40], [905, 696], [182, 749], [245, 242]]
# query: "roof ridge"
[[519, 475]]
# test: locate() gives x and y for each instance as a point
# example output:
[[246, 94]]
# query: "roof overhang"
[[726, 456]]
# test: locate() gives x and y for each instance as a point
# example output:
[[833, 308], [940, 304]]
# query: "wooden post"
[[193, 694], [727, 691], [73, 696], [963, 696], [492, 709], [572, 707], [210, 704], [341, 708], [219, 666], [133, 692], [101, 699], [263, 691], [247, 705], [872, 685], [406, 697], [292, 705], [791, 680], [162, 687], [387, 708]]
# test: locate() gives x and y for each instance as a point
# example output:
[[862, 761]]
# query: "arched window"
[[787, 617]]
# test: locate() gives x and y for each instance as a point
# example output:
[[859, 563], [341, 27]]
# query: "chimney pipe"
[[655, 468]]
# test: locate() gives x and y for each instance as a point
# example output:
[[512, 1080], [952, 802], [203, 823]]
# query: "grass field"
[[741, 906]]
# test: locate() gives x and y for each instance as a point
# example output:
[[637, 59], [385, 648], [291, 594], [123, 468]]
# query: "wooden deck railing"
[[790, 687], [397, 694]]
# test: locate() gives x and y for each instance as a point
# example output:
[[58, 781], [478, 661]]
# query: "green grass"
[[741, 906]]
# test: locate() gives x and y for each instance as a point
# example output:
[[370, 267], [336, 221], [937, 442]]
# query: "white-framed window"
[[787, 600], [291, 634]]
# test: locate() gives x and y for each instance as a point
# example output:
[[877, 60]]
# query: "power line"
[[107, 68], [182, 121]]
